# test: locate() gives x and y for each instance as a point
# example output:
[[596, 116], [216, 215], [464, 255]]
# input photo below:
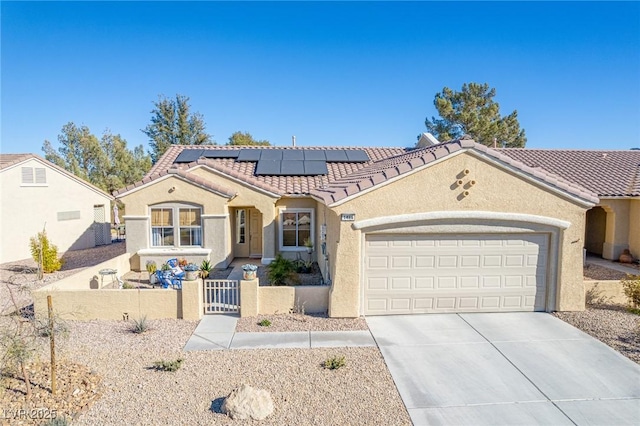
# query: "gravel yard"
[[113, 379]]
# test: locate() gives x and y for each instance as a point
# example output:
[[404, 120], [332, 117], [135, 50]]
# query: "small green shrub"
[[205, 269], [264, 323], [631, 287], [334, 363], [168, 365], [140, 325], [128, 286], [50, 260], [152, 267], [280, 271]]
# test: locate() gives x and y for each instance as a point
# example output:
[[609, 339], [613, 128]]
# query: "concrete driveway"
[[505, 369]]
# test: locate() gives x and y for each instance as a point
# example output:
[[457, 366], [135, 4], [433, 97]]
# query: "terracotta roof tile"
[[7, 160], [606, 173]]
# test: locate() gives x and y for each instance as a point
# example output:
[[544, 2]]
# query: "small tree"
[[45, 253]]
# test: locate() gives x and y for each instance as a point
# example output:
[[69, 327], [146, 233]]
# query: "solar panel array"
[[281, 162]]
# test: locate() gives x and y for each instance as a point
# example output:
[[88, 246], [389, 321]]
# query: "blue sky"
[[354, 73]]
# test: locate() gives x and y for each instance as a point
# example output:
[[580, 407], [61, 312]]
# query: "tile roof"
[[379, 172], [7, 160], [606, 173]]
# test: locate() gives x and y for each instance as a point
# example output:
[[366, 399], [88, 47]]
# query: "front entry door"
[[255, 233]]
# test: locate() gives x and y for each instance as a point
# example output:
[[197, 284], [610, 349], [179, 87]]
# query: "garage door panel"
[[445, 273]]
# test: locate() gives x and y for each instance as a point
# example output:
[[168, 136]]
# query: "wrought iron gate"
[[221, 296]]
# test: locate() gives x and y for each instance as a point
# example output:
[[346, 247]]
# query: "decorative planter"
[[153, 278], [248, 275], [191, 275]]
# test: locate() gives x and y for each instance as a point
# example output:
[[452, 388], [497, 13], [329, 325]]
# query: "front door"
[[255, 233]]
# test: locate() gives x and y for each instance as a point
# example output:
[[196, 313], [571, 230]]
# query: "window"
[[241, 221], [34, 176], [164, 227], [296, 225]]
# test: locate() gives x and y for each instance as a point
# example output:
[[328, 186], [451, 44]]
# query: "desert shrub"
[[631, 287], [334, 363], [128, 286], [280, 271], [139, 325], [50, 260], [164, 365], [264, 323]]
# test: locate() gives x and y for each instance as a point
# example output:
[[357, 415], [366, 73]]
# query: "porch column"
[[268, 235], [216, 231], [617, 233], [137, 230]]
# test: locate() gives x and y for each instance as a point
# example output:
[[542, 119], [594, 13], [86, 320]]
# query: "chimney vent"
[[293, 141]]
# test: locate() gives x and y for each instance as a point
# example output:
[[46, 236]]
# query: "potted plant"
[[205, 269], [249, 271], [191, 271], [309, 245], [151, 269]]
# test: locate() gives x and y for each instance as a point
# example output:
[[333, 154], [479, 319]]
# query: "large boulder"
[[246, 402]]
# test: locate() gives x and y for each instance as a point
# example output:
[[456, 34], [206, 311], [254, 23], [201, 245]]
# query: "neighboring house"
[[35, 193], [613, 225], [452, 227]]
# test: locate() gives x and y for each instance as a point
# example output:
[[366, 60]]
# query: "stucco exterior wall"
[[26, 209], [634, 227], [605, 292], [434, 189], [618, 227]]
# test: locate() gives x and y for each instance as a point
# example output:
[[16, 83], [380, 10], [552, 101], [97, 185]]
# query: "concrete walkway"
[[505, 369], [594, 260], [217, 332]]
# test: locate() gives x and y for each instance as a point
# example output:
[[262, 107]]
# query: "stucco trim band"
[[215, 216], [462, 215], [174, 252]]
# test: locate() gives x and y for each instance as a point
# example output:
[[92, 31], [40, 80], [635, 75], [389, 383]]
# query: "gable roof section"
[[181, 174], [390, 168], [606, 173], [8, 161], [244, 171]]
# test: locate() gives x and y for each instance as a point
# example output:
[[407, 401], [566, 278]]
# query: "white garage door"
[[454, 273]]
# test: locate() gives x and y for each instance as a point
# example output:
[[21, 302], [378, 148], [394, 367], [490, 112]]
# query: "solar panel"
[[271, 154], [315, 168], [292, 168], [336, 155], [293, 154], [315, 155], [249, 155], [188, 156], [220, 153], [357, 155], [268, 168]]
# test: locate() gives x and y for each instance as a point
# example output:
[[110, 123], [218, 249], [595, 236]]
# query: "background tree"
[[106, 163], [245, 138], [473, 111], [173, 124]]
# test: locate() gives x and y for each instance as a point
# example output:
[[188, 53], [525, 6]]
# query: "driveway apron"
[[505, 368]]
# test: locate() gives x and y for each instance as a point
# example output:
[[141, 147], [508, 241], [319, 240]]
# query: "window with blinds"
[[168, 232]]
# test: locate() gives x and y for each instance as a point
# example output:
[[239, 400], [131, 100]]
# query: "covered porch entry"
[[246, 231]]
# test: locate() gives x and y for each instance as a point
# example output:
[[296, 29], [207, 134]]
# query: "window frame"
[[300, 246], [175, 226], [241, 214]]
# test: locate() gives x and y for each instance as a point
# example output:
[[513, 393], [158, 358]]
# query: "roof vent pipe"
[[293, 141]]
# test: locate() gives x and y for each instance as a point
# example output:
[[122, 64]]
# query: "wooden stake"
[[52, 345]]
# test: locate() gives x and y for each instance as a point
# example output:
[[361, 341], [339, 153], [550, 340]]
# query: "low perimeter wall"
[[255, 300], [605, 292], [79, 297]]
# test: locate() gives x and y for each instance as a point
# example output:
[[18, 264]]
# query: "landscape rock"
[[246, 402]]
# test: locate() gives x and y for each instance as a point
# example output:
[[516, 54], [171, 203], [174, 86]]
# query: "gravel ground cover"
[[299, 322], [597, 272]]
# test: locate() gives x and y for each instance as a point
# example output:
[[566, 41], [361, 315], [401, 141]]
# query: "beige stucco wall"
[[634, 227], [255, 300], [605, 292], [26, 209], [619, 226], [434, 189]]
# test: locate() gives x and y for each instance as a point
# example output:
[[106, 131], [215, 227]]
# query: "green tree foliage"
[[245, 138], [50, 260], [472, 111], [106, 163], [173, 124]]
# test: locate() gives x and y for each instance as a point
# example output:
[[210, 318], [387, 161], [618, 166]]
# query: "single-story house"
[[35, 193], [446, 227], [613, 225]]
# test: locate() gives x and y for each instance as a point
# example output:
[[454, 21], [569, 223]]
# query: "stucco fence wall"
[[79, 297], [607, 292], [257, 300]]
